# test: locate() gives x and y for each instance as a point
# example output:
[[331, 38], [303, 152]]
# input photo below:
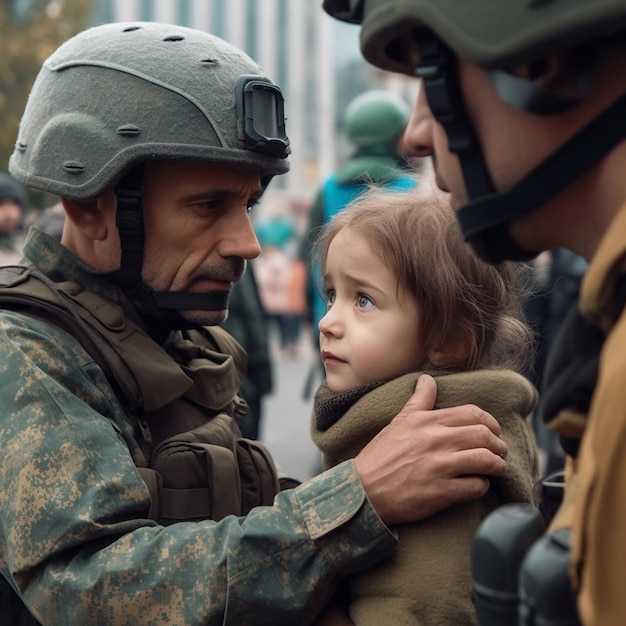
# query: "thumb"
[[423, 398]]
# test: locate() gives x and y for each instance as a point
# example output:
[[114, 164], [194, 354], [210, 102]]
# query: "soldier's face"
[[198, 231], [513, 142]]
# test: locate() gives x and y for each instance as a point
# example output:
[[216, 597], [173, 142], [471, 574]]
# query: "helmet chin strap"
[[484, 220], [438, 70], [160, 306]]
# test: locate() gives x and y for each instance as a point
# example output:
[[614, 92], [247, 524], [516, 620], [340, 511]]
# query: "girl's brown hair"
[[462, 300]]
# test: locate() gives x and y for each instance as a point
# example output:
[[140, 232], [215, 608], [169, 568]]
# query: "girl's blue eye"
[[330, 298], [364, 302]]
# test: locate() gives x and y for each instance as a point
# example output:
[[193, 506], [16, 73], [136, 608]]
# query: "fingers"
[[473, 437], [407, 485], [423, 399], [468, 414], [475, 462]]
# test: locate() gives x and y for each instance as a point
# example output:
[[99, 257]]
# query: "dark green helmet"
[[376, 118], [490, 33], [119, 94], [496, 35]]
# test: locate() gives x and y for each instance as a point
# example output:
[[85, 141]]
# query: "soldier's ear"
[[91, 217], [544, 71], [552, 73]]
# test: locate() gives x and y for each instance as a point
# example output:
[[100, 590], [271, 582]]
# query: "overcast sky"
[[347, 40]]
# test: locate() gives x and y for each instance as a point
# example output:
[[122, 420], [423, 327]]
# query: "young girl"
[[405, 295]]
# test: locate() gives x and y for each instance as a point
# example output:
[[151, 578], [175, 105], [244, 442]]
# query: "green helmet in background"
[[496, 35], [490, 33], [123, 93], [376, 118]]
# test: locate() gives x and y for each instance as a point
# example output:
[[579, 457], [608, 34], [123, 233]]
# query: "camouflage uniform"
[[75, 537]]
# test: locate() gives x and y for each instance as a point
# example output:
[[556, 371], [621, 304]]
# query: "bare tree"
[[30, 30]]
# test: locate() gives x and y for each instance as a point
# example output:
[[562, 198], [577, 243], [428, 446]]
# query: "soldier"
[[128, 496], [523, 105]]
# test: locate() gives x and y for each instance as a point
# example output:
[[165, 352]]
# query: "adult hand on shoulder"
[[424, 460]]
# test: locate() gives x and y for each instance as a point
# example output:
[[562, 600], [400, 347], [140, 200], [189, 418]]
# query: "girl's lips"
[[330, 359]]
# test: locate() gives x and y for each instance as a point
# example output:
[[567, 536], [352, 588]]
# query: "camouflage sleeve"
[[74, 535]]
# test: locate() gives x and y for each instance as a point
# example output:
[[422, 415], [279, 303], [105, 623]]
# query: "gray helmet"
[[376, 118], [119, 94], [491, 33]]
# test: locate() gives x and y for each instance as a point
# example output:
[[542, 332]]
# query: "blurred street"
[[286, 413]]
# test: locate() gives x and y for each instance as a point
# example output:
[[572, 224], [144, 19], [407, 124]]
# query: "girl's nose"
[[329, 324]]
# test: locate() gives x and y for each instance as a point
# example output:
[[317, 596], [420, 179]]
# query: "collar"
[[598, 287], [329, 405]]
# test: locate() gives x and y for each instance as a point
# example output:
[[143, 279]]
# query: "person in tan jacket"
[[522, 106], [404, 295]]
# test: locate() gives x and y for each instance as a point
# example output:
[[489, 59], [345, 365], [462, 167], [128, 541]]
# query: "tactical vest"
[[183, 397]]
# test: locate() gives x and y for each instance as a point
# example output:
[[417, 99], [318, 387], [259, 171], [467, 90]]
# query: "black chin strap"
[[483, 221], [129, 222], [438, 70], [161, 305], [188, 300]]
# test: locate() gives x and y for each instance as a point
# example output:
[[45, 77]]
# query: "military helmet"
[[375, 117], [490, 33], [123, 93], [497, 35]]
